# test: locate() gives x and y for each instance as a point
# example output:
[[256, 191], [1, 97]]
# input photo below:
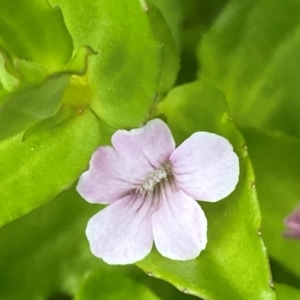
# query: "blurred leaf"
[[7, 80], [37, 169], [126, 72], [276, 164], [29, 71], [234, 264], [102, 283], [197, 17], [27, 106], [79, 62], [285, 292], [46, 252], [62, 115], [252, 54], [281, 274], [34, 31], [171, 11], [169, 53]]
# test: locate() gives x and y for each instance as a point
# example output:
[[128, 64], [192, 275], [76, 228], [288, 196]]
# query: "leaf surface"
[[46, 252], [252, 53], [27, 106], [102, 283], [130, 68], [35, 170], [276, 163], [285, 292], [34, 31]]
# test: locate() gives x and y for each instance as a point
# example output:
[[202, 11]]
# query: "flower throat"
[[155, 177]]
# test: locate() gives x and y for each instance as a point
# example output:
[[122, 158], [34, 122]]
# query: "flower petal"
[[179, 225], [116, 172], [121, 233], [151, 144], [205, 167], [110, 177], [292, 223]]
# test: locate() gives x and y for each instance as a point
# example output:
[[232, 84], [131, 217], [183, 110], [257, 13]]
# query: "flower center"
[[157, 176]]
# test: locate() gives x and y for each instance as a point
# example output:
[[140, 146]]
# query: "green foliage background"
[[73, 72]]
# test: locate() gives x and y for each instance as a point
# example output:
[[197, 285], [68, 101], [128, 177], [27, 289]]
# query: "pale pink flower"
[[151, 187], [292, 223]]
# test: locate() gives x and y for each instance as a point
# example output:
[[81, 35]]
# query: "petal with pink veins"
[[205, 167], [179, 225], [151, 144], [110, 177], [122, 233]]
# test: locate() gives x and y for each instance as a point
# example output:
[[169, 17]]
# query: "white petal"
[[110, 176], [115, 172], [179, 225], [205, 167], [121, 233], [151, 144]]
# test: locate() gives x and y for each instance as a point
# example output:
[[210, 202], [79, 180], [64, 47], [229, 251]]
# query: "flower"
[[292, 223], [151, 187]]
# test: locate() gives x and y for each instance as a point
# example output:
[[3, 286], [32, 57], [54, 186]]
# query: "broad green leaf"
[[27, 106], [285, 292], [223, 270], [34, 31], [126, 72], [276, 164], [102, 283], [252, 54], [46, 252], [37, 169]]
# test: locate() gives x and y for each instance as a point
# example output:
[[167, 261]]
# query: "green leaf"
[[37, 169], [285, 292], [7, 80], [102, 284], [46, 252], [29, 71], [34, 31], [223, 270], [276, 164], [27, 106], [126, 72], [252, 54], [62, 115], [171, 11], [79, 62], [169, 53]]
